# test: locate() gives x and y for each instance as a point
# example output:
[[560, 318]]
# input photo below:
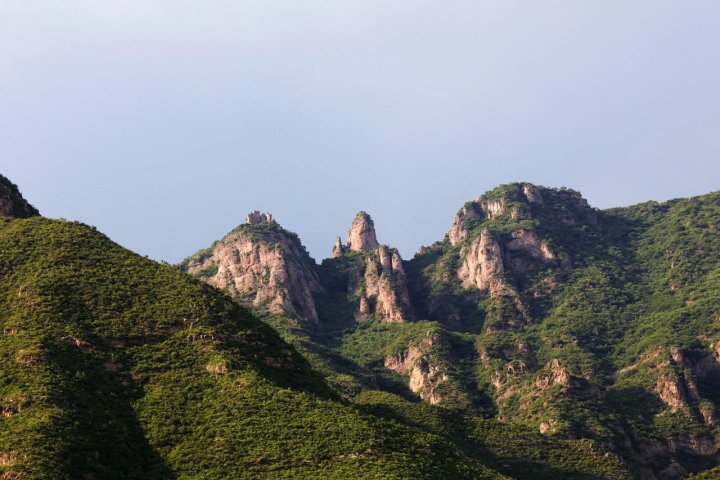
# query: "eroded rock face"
[[423, 369], [527, 240], [263, 266], [460, 229], [490, 209], [384, 290], [672, 391], [482, 263], [12, 203], [553, 374], [361, 236], [482, 267]]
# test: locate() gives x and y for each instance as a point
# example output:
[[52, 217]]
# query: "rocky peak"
[[520, 201], [512, 200], [12, 203], [361, 235], [262, 265], [337, 248]]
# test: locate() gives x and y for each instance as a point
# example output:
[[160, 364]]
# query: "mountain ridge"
[[546, 339], [522, 313]]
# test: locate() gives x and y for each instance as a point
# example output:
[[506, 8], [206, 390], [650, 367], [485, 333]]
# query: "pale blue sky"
[[163, 122]]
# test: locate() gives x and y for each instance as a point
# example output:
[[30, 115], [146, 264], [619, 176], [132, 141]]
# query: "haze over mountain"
[[142, 114]]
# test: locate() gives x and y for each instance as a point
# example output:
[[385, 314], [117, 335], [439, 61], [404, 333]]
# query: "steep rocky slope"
[[263, 266], [371, 273], [559, 296]]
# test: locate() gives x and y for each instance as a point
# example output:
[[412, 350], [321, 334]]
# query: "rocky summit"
[[541, 338]]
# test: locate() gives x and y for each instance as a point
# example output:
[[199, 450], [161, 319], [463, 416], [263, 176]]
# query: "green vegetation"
[[114, 366], [629, 287]]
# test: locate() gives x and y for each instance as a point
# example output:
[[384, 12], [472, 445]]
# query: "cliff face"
[[383, 290], [482, 264], [12, 203], [263, 265], [423, 366]]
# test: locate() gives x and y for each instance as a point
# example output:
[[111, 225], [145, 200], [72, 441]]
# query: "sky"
[[164, 122]]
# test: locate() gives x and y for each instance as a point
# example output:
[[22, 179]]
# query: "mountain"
[[536, 311], [117, 367]]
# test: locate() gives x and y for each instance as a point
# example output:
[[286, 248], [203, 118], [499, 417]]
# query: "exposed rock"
[[494, 208], [696, 444], [482, 268], [8, 459], [672, 392], [361, 236], [218, 367], [482, 263], [459, 230], [532, 193], [553, 374], [482, 209], [548, 426], [266, 268], [337, 248], [425, 373], [707, 410], [527, 354], [363, 311], [12, 203], [527, 240], [384, 257], [384, 290]]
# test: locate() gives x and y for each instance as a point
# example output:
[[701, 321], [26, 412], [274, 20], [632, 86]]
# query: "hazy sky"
[[163, 122]]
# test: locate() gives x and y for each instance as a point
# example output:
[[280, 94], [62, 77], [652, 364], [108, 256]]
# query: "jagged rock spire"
[[361, 236], [337, 248]]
